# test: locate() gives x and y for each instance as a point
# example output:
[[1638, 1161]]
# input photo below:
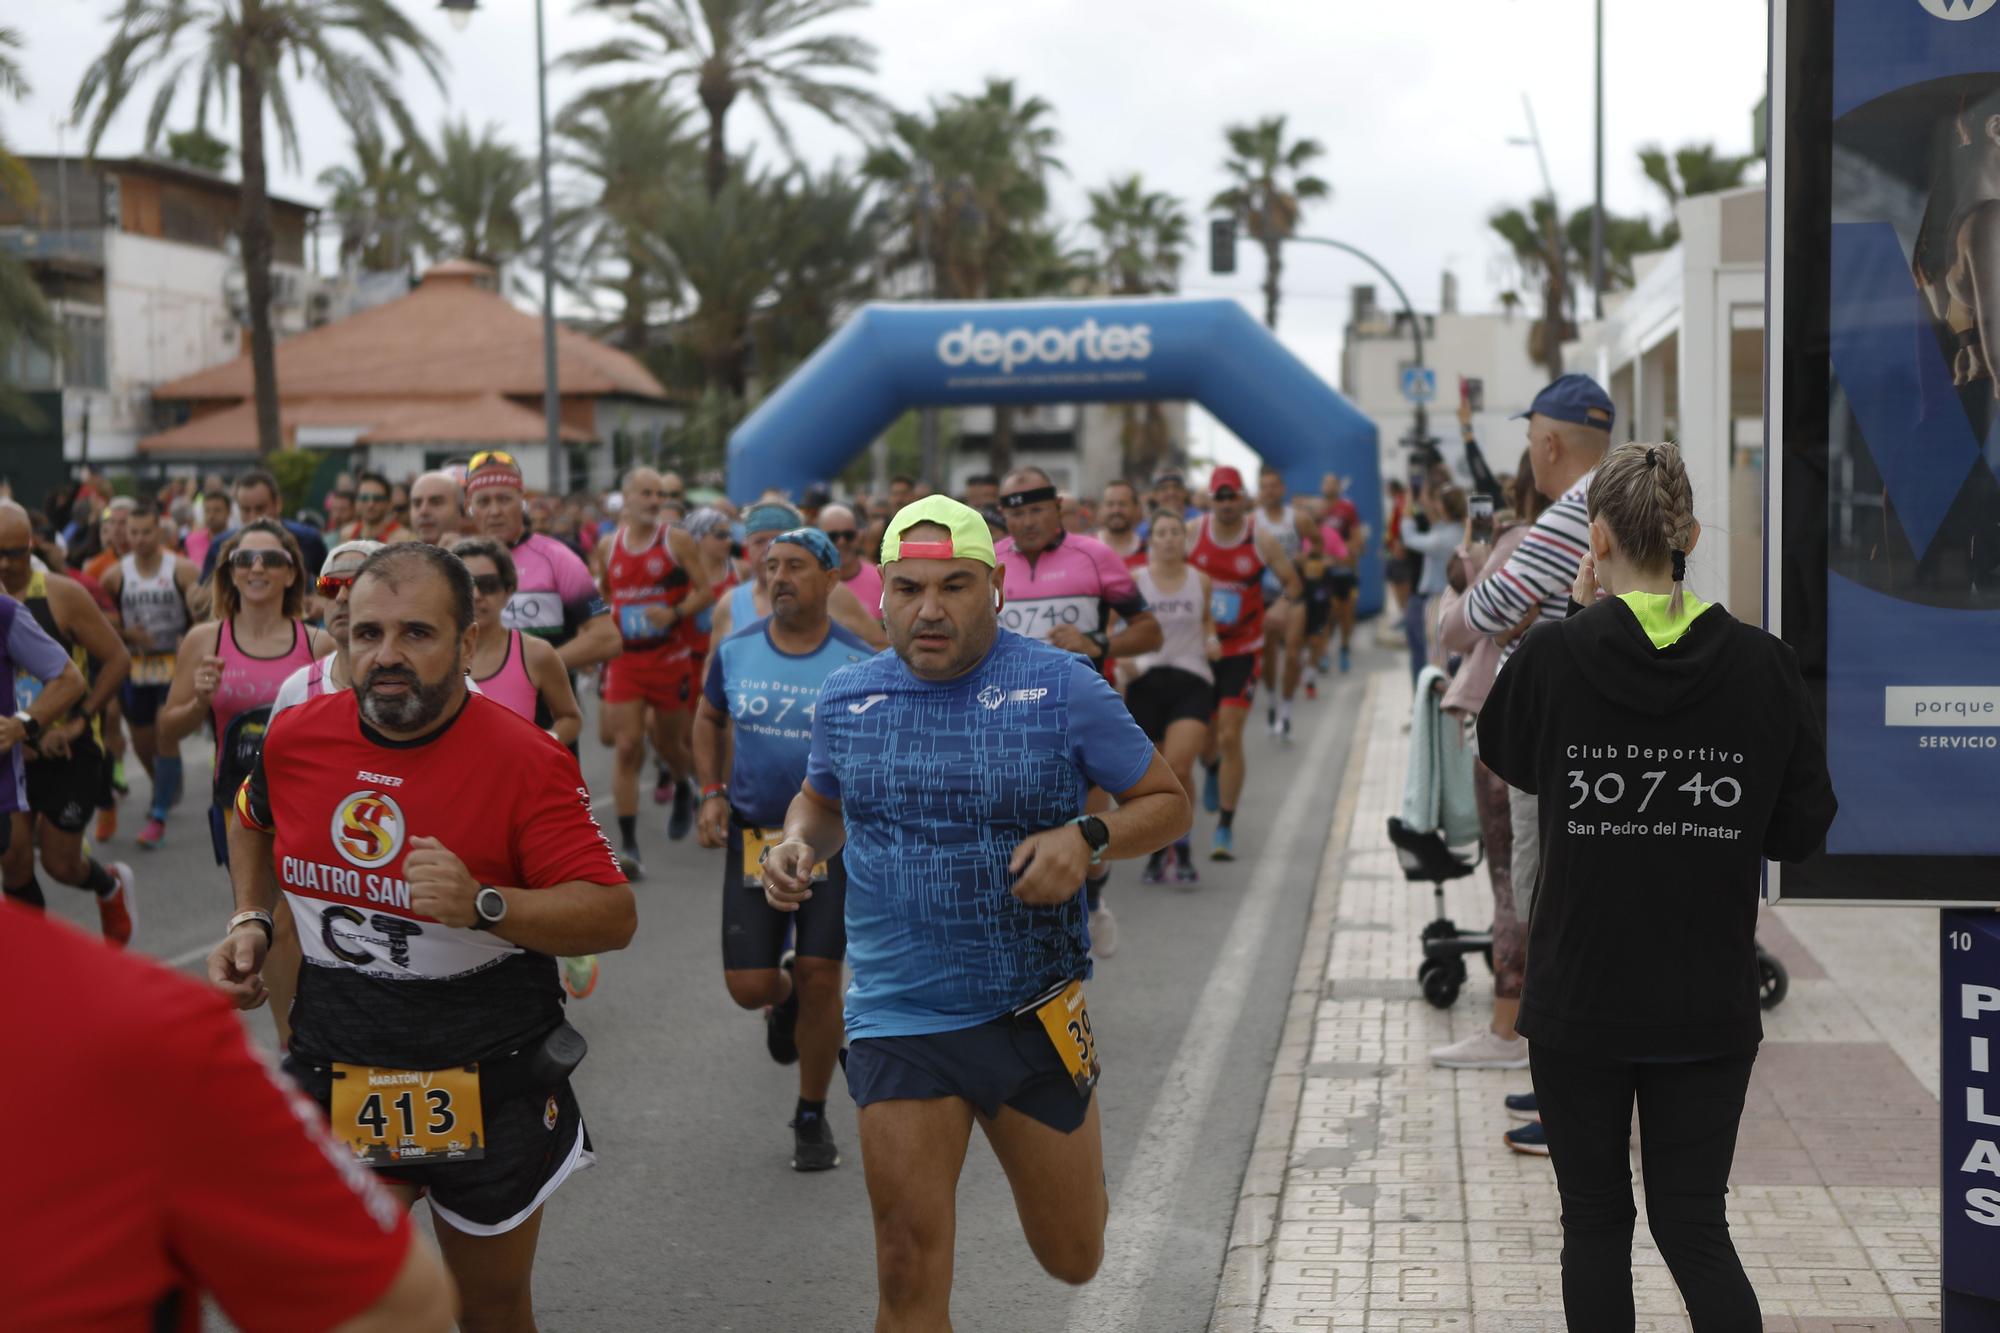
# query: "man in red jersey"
[[437, 852], [1234, 553], [225, 1184], [1118, 519], [654, 578]]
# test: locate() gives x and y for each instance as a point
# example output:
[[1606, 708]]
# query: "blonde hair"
[[1641, 492]]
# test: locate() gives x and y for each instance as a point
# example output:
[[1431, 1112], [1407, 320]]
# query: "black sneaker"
[[813, 1148], [682, 819], [781, 1022], [629, 862]]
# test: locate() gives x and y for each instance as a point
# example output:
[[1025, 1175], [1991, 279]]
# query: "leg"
[[17, 864], [911, 1154], [1586, 1107], [62, 854], [818, 981], [1229, 742], [628, 736], [281, 969], [1688, 1116], [1058, 1182], [1185, 741], [672, 732], [1343, 615], [143, 745], [1413, 634], [1295, 647], [495, 1276], [1510, 936], [757, 988]]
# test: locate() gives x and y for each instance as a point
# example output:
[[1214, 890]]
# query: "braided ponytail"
[[1642, 493]]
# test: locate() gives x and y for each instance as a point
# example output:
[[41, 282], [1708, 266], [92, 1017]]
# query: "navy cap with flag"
[[1577, 399]]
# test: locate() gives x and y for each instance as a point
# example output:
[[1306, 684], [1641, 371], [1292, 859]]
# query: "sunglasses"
[[265, 559], [1226, 494], [332, 585], [486, 585], [485, 456], [842, 535], [372, 497], [673, 497]]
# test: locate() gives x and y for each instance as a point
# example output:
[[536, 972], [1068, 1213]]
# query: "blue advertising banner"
[[1969, 1077], [1884, 454]]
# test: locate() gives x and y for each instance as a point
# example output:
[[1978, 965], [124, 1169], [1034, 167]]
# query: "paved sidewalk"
[[1380, 1195]]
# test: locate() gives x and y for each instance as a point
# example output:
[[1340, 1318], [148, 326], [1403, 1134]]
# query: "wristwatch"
[[1095, 836], [30, 728], [489, 908]]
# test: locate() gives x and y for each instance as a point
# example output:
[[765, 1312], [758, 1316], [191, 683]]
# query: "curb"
[[1239, 1295]]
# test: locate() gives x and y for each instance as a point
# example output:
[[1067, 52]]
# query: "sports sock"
[[1225, 818], [166, 784], [666, 776], [1284, 710], [1212, 765], [806, 1108], [97, 879], [628, 830], [1093, 890], [29, 894]]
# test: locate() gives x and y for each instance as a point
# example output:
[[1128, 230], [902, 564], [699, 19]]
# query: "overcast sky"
[[1415, 102]]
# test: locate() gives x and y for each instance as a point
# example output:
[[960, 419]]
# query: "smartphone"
[[1475, 394], [1481, 507]]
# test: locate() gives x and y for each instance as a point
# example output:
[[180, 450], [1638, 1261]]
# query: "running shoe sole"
[[809, 1156], [1526, 1150], [781, 1022]]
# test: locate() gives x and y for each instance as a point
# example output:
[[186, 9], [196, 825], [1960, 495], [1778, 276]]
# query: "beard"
[[423, 705]]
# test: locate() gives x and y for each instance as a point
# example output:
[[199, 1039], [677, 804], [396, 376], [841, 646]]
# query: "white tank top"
[[153, 604], [1182, 643]]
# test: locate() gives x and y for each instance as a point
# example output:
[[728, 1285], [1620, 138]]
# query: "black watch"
[[489, 908], [30, 729], [1095, 836]]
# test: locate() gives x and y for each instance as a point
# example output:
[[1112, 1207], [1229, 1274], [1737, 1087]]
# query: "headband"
[[1022, 499], [769, 517], [817, 544]]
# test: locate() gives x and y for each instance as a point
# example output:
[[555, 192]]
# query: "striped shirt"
[[1540, 573]]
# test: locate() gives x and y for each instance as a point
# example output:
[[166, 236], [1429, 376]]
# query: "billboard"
[[1883, 434]]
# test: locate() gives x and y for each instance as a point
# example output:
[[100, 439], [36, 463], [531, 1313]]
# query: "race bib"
[[152, 669], [1066, 1018], [633, 624], [757, 844], [394, 1116], [1225, 605], [534, 612]]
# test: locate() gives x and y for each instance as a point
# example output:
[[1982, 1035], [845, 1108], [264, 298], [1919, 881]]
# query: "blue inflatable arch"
[[892, 357]]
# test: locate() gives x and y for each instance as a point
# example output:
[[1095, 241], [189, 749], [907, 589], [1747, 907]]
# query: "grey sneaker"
[[1484, 1049], [1103, 931]]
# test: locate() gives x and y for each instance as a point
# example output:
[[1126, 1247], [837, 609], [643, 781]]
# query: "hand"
[[1585, 591], [1056, 861], [1071, 640], [1475, 554], [1464, 412], [440, 886], [663, 617], [236, 966], [788, 874], [136, 635], [711, 825], [1212, 649], [55, 742], [208, 677]]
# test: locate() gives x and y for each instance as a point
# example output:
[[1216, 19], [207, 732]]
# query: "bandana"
[[816, 543]]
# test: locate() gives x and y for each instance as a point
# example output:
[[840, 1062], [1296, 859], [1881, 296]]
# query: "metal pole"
[[1409, 311], [551, 393], [927, 418], [1597, 209]]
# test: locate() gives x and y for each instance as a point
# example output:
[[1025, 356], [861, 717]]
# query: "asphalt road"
[[693, 1219]]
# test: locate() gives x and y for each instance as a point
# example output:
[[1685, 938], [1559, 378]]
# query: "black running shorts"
[[64, 791], [1007, 1062], [1166, 695], [1236, 681], [753, 931]]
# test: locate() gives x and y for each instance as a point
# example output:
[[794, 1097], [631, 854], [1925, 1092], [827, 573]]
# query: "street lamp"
[[460, 13]]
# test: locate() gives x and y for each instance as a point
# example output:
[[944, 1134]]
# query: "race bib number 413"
[[391, 1117]]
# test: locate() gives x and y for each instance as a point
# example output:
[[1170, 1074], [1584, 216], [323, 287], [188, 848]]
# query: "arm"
[[236, 965], [1981, 233], [711, 760], [181, 715], [77, 613], [1140, 634], [848, 613], [552, 684], [814, 831], [1542, 567], [688, 556], [1141, 630], [597, 641], [201, 597], [564, 920], [1805, 806], [34, 652], [1150, 814], [1280, 564]]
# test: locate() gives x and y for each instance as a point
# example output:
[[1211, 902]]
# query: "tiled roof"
[[480, 419]]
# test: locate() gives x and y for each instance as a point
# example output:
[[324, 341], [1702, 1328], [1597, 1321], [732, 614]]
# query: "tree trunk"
[[633, 333], [254, 232], [1274, 267], [1000, 448], [715, 99]]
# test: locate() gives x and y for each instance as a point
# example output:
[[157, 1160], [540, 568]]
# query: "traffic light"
[[1222, 245]]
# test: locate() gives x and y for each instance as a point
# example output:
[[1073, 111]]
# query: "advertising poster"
[[1884, 505]]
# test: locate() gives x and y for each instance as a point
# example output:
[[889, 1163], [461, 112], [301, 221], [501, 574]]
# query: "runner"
[[1171, 693], [956, 767], [151, 587], [1328, 571], [649, 689], [557, 600], [1284, 617], [1064, 589], [1234, 552], [762, 692], [114, 536], [443, 851], [65, 764], [861, 577], [330, 673], [750, 600], [1346, 520], [437, 508], [214, 524], [258, 497], [376, 521], [1118, 514], [227, 675]]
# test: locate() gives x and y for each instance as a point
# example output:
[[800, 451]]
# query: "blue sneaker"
[[1529, 1139], [1211, 788], [1224, 849], [1343, 660], [1522, 1106]]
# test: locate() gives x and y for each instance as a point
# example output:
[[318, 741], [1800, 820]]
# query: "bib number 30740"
[[1066, 1018], [396, 1116]]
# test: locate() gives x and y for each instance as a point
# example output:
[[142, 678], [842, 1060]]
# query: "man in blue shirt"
[[257, 497], [764, 682], [954, 769]]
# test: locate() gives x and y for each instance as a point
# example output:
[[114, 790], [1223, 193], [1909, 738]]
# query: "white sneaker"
[[1485, 1049], [1103, 931]]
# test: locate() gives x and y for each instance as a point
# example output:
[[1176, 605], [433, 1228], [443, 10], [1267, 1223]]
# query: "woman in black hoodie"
[[1672, 749]]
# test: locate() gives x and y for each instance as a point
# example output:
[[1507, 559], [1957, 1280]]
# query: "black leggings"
[[1688, 1114]]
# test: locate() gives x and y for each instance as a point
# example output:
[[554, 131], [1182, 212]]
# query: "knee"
[[909, 1252], [818, 980], [630, 748], [64, 864], [1075, 1260], [496, 1307], [753, 989]]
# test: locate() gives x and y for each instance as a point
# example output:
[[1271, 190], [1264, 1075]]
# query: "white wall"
[[1493, 348]]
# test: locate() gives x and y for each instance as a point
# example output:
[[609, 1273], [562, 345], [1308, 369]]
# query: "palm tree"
[[1541, 248], [472, 194], [1141, 235], [1694, 168], [198, 148], [24, 315], [734, 48], [214, 44], [1269, 191], [630, 149], [378, 202], [822, 265], [719, 249]]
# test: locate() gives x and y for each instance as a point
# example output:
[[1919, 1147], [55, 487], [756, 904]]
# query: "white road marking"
[[1144, 1211], [194, 955]]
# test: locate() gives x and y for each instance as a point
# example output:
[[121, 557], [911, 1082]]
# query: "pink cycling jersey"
[[1079, 582], [553, 591]]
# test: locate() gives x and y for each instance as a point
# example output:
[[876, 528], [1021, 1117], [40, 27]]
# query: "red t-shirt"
[[155, 1157], [383, 984]]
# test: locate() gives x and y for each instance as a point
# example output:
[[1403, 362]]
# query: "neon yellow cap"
[[970, 538]]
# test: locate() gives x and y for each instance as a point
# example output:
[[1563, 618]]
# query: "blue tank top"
[[742, 605], [770, 696]]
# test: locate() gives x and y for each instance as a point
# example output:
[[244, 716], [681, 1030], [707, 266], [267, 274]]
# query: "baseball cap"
[[1225, 479], [1576, 399], [970, 538]]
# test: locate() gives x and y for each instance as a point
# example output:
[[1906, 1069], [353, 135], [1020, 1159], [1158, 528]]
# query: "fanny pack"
[[540, 1065]]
